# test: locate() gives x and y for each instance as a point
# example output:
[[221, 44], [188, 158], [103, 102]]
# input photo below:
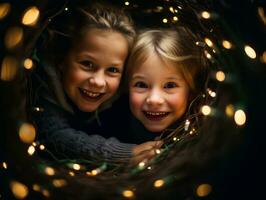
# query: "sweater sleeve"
[[56, 133]]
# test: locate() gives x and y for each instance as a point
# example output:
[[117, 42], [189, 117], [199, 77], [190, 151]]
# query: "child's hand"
[[145, 151]]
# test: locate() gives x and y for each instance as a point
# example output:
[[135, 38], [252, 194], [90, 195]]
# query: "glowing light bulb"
[[76, 167], [158, 183], [128, 193], [206, 110], [220, 76], [28, 64], [208, 42], [49, 171], [250, 52], [206, 15], [165, 20], [226, 44], [31, 150], [240, 117]]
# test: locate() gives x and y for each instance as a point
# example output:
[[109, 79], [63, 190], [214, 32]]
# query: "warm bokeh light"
[[59, 183], [4, 10], [203, 190], [31, 150], [263, 57], [250, 52], [9, 68], [36, 187], [165, 20], [158, 183], [128, 193], [207, 54], [127, 3], [261, 14], [205, 15], [226, 44], [76, 167], [31, 16], [27, 133], [49, 171], [240, 117], [229, 110], [208, 42], [28, 63], [71, 173], [19, 190], [175, 18], [42, 147], [220, 76], [4, 165], [13, 37], [45, 193], [172, 9], [206, 110]]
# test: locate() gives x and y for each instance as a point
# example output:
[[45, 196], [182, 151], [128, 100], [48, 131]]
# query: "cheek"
[[135, 101], [179, 103], [113, 85]]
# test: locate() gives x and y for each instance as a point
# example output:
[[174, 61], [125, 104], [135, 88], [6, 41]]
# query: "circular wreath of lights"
[[191, 152]]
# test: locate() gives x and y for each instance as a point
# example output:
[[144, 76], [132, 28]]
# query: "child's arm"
[[63, 140]]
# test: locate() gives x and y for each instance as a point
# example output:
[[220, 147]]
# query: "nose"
[[98, 79], [155, 98]]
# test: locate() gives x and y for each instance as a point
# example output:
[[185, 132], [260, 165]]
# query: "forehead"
[[155, 66], [94, 39]]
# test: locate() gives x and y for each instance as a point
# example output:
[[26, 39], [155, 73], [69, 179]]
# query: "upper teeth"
[[156, 113], [91, 94]]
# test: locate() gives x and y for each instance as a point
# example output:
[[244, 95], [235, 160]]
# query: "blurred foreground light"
[[175, 18], [128, 193], [207, 54], [36, 187], [13, 37], [158, 183], [19, 190], [205, 15], [203, 190], [27, 133], [206, 110], [126, 3], [220, 76], [4, 10], [240, 117], [250, 52], [45, 193], [31, 16], [9, 68], [28, 63]]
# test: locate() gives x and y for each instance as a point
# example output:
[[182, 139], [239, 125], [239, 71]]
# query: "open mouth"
[[90, 96], [156, 116]]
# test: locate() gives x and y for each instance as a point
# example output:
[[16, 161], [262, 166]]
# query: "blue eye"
[[87, 64], [140, 84], [169, 85], [113, 70]]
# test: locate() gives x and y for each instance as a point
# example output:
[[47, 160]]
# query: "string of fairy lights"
[[11, 65]]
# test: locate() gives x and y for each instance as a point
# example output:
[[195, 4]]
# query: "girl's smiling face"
[[159, 93], [92, 70]]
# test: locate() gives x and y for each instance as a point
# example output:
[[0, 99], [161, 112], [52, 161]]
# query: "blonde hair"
[[175, 45]]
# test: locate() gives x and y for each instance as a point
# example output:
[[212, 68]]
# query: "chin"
[[155, 129]]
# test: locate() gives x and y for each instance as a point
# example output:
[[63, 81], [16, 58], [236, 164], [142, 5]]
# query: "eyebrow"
[[138, 76]]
